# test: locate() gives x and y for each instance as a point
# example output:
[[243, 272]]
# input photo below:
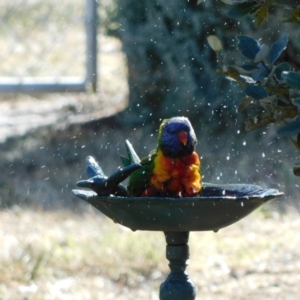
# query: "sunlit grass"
[[45, 38], [52, 255], [41, 38]]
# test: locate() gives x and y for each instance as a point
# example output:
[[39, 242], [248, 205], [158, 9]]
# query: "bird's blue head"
[[176, 137]]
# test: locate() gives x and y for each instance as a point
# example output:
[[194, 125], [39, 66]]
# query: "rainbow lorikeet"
[[173, 169]]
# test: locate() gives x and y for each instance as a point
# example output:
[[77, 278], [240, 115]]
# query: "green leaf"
[[262, 72], [278, 47], [240, 10], [248, 46], [292, 79], [260, 75], [285, 66], [291, 128], [215, 43], [296, 101], [256, 92], [262, 54]]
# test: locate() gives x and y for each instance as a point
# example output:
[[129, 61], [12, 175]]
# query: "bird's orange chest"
[[173, 167], [177, 176]]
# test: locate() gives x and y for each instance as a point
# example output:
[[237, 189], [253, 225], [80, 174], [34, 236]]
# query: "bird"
[[173, 168]]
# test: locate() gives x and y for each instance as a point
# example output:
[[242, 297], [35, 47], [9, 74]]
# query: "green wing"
[[140, 179]]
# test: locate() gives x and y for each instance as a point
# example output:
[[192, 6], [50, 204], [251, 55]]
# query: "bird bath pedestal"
[[216, 207], [177, 285]]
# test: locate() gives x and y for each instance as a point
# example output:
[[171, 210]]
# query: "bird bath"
[[216, 207]]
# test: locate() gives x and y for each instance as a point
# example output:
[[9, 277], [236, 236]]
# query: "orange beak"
[[183, 136]]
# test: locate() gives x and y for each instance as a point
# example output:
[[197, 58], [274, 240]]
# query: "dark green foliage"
[[263, 80], [277, 48], [292, 79], [273, 88], [248, 46], [280, 69], [256, 92], [260, 10]]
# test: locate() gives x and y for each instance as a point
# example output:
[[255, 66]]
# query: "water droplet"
[[263, 155], [244, 143]]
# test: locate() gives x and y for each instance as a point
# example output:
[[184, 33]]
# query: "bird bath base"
[[177, 286]]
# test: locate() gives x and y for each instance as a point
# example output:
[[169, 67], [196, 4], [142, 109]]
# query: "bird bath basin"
[[216, 207]]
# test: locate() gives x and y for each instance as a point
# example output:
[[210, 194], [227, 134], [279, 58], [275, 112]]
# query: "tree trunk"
[[171, 69]]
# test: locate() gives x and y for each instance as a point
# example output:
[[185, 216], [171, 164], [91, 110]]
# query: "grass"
[[42, 39], [63, 255]]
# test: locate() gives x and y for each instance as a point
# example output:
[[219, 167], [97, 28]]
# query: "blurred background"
[[77, 79]]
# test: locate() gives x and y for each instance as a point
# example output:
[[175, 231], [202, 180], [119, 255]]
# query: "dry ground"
[[63, 255]]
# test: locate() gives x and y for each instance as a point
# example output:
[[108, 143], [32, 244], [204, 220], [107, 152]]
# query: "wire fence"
[[48, 45]]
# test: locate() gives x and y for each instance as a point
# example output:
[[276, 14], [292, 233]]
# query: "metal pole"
[[91, 24], [42, 85]]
